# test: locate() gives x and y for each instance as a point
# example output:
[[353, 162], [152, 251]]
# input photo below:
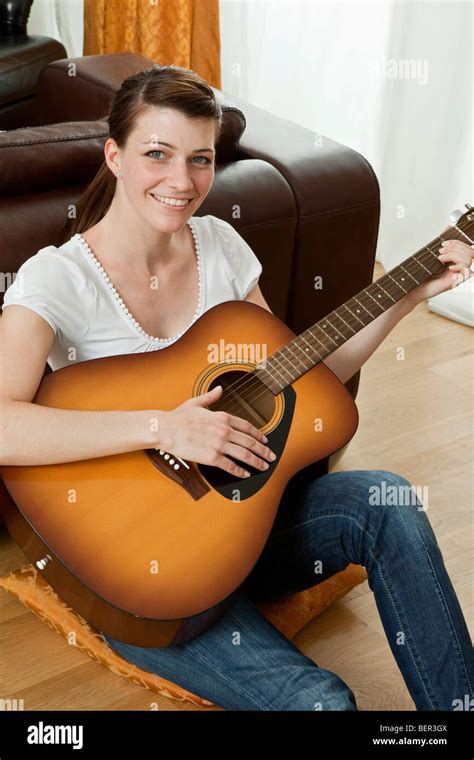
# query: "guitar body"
[[148, 552]]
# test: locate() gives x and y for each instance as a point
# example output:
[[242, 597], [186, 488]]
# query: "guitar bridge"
[[184, 474]]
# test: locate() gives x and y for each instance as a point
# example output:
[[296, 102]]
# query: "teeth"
[[171, 201]]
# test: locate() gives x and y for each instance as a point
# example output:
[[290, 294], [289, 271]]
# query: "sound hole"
[[245, 396]]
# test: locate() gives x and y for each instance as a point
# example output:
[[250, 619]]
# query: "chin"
[[169, 225]]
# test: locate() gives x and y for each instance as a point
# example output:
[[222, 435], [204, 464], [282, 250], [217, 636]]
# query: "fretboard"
[[303, 352]]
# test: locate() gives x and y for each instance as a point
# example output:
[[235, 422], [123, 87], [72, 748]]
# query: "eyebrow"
[[159, 142]]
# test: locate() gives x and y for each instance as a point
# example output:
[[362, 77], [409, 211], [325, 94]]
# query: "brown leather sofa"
[[308, 206], [22, 58]]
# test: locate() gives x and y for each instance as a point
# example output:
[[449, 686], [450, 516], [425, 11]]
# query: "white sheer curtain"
[[391, 79], [61, 19]]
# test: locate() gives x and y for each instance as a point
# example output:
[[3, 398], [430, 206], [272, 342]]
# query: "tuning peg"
[[455, 216], [468, 206]]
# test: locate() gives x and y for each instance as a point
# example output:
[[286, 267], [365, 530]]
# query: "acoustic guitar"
[[149, 548]]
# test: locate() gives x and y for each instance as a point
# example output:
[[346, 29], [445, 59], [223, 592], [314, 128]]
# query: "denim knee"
[[405, 507], [319, 690], [337, 695]]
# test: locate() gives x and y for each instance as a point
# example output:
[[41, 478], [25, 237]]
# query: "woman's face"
[[167, 157]]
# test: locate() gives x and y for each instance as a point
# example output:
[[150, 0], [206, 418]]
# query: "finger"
[[229, 466], [456, 257], [204, 399], [458, 268], [246, 427], [244, 455], [456, 245], [460, 273], [247, 441]]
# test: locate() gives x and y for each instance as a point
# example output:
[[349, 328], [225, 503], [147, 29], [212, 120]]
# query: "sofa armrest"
[[87, 86], [338, 207]]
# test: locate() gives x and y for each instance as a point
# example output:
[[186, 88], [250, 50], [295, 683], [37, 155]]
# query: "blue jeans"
[[243, 663]]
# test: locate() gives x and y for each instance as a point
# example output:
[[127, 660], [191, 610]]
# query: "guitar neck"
[[303, 352]]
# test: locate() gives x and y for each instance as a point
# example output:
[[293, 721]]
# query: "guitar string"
[[243, 382], [253, 380]]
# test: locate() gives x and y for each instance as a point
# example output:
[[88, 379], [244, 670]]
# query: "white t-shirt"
[[67, 286]]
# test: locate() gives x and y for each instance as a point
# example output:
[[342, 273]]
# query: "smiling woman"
[[164, 124], [139, 269]]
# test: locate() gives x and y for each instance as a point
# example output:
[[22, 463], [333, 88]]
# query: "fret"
[[391, 290], [361, 304], [309, 348], [373, 299], [397, 283], [272, 379], [386, 291], [420, 262], [288, 358], [352, 313], [314, 336], [458, 234], [408, 273], [328, 319], [336, 314], [329, 336], [309, 344], [293, 360], [437, 265], [289, 349], [463, 235], [275, 358], [289, 367], [414, 264], [279, 360]]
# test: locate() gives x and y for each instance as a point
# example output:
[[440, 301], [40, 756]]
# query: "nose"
[[180, 180]]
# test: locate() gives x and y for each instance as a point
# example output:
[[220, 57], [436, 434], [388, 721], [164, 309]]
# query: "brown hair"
[[163, 86]]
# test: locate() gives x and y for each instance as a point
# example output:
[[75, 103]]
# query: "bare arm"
[[346, 360], [33, 434]]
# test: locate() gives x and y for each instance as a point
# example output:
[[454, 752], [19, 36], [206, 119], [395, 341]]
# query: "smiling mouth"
[[172, 202]]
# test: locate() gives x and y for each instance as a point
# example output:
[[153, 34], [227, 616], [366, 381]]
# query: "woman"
[[135, 228]]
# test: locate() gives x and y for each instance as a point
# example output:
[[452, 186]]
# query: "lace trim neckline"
[[131, 319]]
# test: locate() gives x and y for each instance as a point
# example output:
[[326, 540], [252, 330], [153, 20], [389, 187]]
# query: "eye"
[[206, 160], [154, 151]]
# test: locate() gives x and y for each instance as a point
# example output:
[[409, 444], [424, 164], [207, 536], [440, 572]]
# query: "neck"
[[304, 351], [137, 244]]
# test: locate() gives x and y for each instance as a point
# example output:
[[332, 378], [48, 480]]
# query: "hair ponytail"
[[161, 86], [94, 202]]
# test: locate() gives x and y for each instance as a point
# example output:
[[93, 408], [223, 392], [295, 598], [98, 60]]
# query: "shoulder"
[[54, 266], [53, 283], [54, 261], [217, 227], [230, 242], [232, 252]]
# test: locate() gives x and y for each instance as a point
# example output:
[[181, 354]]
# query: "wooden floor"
[[416, 419]]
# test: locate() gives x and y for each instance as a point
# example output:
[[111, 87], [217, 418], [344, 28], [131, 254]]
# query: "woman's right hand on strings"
[[193, 432]]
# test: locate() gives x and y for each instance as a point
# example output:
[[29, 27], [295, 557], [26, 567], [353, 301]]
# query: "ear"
[[112, 155]]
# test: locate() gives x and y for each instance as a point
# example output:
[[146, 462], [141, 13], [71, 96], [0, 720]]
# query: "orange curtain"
[[180, 32]]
